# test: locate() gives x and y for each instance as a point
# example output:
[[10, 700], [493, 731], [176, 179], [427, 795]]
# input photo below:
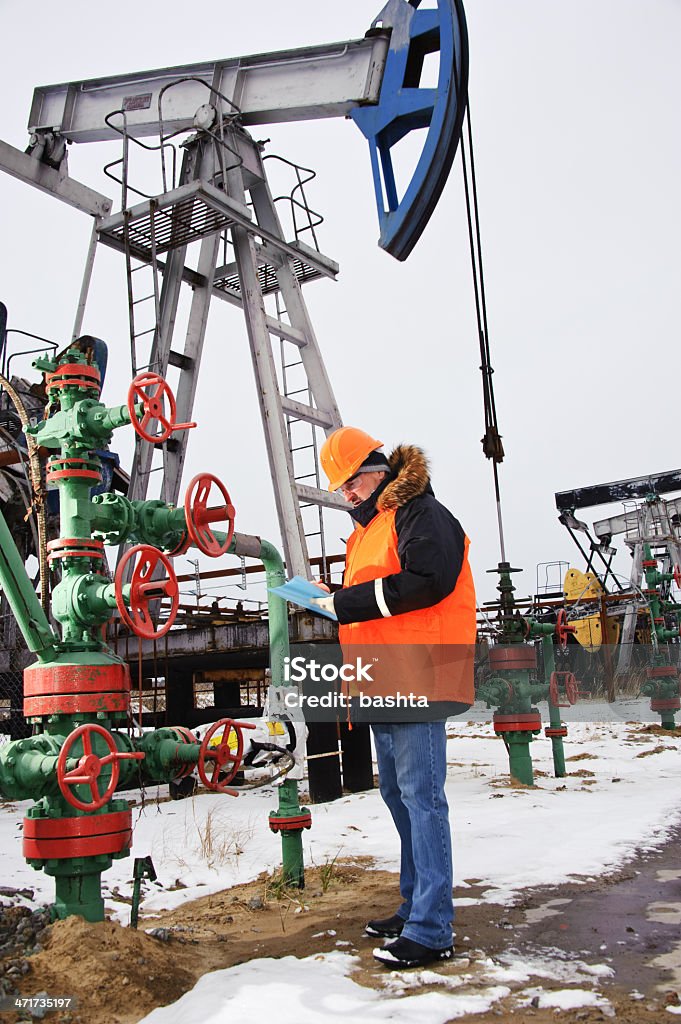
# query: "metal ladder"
[[303, 469]]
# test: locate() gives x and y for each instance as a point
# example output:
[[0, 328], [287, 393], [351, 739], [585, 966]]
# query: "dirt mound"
[[108, 969]]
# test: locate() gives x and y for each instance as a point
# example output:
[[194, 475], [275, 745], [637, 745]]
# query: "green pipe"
[[33, 623], [293, 865], [277, 608], [554, 712], [519, 757]]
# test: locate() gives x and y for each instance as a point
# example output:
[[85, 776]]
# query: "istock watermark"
[[302, 670]]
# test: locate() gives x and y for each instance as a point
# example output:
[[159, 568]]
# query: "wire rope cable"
[[491, 442]]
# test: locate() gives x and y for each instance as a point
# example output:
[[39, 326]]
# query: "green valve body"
[[513, 687], [75, 829], [77, 693], [662, 682]]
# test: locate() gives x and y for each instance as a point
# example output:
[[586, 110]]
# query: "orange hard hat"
[[343, 453]]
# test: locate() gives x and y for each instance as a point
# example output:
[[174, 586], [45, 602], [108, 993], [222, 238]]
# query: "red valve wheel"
[[571, 688], [570, 685], [222, 755], [199, 516], [562, 628], [144, 589], [677, 576], [89, 767], [153, 407]]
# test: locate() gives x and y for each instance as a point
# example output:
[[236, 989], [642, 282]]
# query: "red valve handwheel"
[[571, 688], [199, 516], [562, 628], [222, 756], [570, 684], [90, 766], [144, 589], [677, 576], [153, 407]]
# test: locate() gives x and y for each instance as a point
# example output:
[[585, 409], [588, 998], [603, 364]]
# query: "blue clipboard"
[[300, 591]]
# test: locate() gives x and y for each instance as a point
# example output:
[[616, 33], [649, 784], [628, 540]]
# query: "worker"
[[407, 587]]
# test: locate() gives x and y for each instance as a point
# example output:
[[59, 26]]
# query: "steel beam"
[[54, 183], [289, 85], [619, 490]]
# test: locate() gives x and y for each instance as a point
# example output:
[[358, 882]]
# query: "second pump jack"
[[662, 685], [513, 685]]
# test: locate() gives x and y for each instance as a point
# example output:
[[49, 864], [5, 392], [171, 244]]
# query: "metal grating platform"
[[267, 276], [193, 211], [174, 219], [184, 223]]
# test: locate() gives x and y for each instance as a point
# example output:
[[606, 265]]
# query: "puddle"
[[668, 876], [537, 914], [664, 913], [670, 962]]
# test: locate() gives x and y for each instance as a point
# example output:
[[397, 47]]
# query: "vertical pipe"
[[293, 866], [605, 641], [554, 712]]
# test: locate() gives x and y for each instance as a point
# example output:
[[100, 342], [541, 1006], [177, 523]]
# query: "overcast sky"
[[576, 114]]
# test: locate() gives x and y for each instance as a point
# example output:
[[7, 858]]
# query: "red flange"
[[291, 824], [68, 468], [144, 589], [512, 657], [153, 407], [222, 755], [48, 680], [560, 730], [181, 547], [199, 516], [77, 704], [519, 722], [90, 766], [662, 671], [665, 704], [75, 547], [75, 689], [677, 576], [74, 375], [187, 737], [59, 838], [562, 628]]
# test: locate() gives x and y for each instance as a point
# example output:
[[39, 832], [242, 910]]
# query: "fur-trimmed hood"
[[409, 467]]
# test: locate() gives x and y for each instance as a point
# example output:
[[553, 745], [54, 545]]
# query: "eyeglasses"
[[350, 485]]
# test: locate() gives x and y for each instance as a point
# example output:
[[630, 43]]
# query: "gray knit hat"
[[375, 462]]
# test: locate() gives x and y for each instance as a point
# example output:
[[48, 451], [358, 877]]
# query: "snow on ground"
[[309, 991], [583, 825], [580, 825]]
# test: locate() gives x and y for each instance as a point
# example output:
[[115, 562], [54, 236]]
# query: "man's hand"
[[325, 603]]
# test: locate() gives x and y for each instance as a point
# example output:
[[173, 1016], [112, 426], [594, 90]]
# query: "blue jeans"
[[412, 764]]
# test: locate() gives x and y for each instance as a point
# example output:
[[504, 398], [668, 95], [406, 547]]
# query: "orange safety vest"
[[372, 553]]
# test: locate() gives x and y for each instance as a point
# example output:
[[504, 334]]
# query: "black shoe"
[[387, 928], [404, 953]]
